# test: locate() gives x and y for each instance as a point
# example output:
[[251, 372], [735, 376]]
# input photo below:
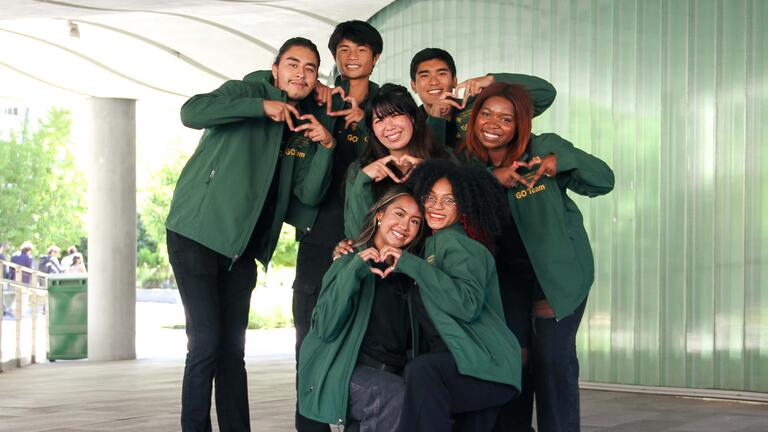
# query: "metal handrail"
[[36, 293]]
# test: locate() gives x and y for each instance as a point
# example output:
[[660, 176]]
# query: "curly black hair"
[[480, 199]]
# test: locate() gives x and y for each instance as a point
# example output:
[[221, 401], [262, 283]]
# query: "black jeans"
[[216, 302], [556, 372], [517, 285], [312, 262], [438, 398]]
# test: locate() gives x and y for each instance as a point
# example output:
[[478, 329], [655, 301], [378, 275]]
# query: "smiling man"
[[230, 201], [356, 47], [433, 78]]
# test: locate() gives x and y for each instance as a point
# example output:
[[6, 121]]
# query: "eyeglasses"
[[431, 200]]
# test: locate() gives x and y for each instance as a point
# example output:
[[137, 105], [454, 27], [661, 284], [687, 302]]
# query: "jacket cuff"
[[258, 107], [359, 267], [408, 264]]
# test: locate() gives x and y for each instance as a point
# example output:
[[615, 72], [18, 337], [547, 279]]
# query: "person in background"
[[23, 258], [77, 265], [50, 263], [66, 262], [4, 273]]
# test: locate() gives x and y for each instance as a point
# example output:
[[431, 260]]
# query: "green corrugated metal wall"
[[674, 96]]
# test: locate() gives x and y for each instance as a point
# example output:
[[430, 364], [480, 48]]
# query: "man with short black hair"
[[253, 162], [433, 78], [356, 47]]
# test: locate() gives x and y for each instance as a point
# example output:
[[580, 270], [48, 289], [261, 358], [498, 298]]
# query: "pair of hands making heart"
[[388, 166], [509, 177], [282, 112], [448, 101], [324, 95], [381, 258]]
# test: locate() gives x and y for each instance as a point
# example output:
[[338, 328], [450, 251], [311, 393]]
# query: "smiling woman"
[[400, 141], [469, 365], [361, 331]]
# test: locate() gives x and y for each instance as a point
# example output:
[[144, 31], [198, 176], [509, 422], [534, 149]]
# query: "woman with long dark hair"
[[351, 362], [545, 261], [399, 141]]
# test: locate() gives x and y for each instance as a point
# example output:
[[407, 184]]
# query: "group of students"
[[442, 268]]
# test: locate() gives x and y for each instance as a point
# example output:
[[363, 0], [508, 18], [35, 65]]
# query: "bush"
[[276, 318]]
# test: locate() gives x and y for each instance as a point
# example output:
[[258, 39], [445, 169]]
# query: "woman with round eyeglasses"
[[352, 360], [400, 141], [545, 261], [467, 362]]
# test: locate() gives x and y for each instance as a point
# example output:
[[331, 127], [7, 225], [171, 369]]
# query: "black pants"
[[439, 398], [312, 262], [517, 287], [216, 301]]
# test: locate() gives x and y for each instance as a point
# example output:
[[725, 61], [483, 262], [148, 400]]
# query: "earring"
[[378, 222]]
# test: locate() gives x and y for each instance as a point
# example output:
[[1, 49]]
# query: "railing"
[[26, 293]]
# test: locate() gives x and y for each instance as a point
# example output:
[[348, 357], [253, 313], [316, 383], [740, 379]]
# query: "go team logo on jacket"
[[525, 193], [296, 147]]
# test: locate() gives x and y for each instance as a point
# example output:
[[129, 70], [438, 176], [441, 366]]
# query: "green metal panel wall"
[[674, 96]]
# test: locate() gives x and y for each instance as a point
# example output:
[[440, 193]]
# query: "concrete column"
[[112, 231]]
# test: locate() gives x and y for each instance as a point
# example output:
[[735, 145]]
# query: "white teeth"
[[398, 235], [393, 137], [491, 135], [436, 216], [434, 92]]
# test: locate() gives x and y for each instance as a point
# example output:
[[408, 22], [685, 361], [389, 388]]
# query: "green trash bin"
[[68, 316]]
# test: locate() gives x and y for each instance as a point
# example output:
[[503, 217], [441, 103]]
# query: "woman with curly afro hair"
[[467, 362]]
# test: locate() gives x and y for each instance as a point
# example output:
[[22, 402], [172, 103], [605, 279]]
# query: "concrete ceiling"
[[145, 49]]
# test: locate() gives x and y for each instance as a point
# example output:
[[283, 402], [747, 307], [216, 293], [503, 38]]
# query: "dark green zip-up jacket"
[[300, 214], [551, 225], [541, 92], [222, 188], [330, 349], [460, 289]]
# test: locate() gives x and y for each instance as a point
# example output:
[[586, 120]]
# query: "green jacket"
[[458, 284], [358, 199], [329, 351], [542, 95], [222, 188], [300, 214], [551, 225]]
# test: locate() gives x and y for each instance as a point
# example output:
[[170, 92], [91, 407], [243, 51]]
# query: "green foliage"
[[286, 249], [276, 318], [43, 193], [154, 270]]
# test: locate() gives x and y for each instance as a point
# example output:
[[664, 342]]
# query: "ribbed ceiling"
[[143, 49]]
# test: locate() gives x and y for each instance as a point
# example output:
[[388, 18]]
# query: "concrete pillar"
[[112, 231]]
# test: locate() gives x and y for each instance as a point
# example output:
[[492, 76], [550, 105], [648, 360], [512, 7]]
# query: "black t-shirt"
[[328, 228], [387, 338], [430, 340], [260, 235]]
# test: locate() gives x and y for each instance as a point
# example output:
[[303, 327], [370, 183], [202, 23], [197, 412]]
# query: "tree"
[[42, 194]]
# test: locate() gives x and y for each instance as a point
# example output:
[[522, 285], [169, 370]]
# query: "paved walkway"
[[143, 395]]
